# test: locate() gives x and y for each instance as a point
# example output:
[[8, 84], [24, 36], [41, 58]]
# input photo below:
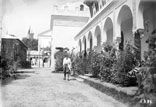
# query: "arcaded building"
[[113, 21]]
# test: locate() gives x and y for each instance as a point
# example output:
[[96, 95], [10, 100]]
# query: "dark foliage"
[[125, 63], [95, 63], [59, 55], [25, 64], [31, 44], [78, 65]]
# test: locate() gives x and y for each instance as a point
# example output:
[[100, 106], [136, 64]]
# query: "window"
[[81, 7]]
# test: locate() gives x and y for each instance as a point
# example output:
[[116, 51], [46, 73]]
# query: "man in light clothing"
[[66, 66]]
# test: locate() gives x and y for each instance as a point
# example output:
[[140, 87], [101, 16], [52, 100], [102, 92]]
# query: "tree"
[[31, 43], [47, 48]]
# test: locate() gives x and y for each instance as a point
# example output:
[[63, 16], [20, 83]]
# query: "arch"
[[124, 14], [125, 22], [84, 42], [97, 34], [108, 30], [90, 40]]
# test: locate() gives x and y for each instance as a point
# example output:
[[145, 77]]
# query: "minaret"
[[30, 34]]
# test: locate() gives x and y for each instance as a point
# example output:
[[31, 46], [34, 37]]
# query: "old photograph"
[[77, 53]]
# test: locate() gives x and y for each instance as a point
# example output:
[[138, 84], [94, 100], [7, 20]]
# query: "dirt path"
[[46, 89]]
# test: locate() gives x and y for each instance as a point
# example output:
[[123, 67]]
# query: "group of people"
[[36, 61], [33, 60]]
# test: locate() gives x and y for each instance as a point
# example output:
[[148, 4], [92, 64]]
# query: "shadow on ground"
[[56, 71], [25, 71], [8, 80], [72, 79]]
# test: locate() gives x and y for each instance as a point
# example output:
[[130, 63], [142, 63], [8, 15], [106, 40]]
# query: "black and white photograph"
[[77, 53]]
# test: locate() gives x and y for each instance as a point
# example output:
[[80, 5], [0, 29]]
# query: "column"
[[52, 52]]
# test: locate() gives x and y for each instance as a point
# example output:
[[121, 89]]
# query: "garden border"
[[115, 91]]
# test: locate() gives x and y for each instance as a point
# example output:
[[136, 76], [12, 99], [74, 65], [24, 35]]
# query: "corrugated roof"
[[13, 37]]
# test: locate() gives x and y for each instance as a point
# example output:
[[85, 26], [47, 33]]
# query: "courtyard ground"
[[38, 87]]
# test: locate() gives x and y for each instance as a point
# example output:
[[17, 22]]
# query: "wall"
[[9, 47], [63, 36], [22, 52], [110, 36]]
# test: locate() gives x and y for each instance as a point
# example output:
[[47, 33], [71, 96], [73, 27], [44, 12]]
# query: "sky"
[[20, 15]]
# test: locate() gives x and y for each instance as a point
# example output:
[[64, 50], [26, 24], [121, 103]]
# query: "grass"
[[120, 96]]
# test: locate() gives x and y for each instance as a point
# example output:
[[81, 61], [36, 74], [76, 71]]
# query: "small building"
[[14, 49]]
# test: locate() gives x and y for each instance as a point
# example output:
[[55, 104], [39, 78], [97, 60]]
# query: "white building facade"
[[66, 21], [113, 19]]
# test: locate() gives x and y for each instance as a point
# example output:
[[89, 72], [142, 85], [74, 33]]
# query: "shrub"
[[101, 63], [88, 63], [106, 69], [106, 65], [125, 63], [7, 63], [59, 60], [78, 65], [25, 64], [147, 79], [95, 63]]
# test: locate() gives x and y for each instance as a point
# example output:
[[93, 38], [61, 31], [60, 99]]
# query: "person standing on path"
[[44, 60], [66, 66]]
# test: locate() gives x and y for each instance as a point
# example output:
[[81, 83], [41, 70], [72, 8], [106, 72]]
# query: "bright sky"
[[22, 14]]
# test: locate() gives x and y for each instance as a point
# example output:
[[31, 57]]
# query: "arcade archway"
[[125, 21], [108, 29]]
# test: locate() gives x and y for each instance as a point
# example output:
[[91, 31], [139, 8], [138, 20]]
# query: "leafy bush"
[[95, 63], [4, 64], [59, 60], [147, 79], [7, 66], [78, 65], [106, 65], [125, 63], [25, 64], [88, 63], [147, 85]]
